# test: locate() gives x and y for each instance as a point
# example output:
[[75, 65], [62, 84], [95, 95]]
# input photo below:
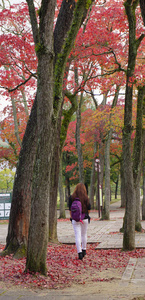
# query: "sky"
[[11, 1]]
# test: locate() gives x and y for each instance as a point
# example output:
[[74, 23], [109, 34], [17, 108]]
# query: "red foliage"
[[64, 268]]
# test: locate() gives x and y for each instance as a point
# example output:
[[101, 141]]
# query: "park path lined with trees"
[[63, 76]]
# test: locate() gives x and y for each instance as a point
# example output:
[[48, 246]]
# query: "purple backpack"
[[76, 210]]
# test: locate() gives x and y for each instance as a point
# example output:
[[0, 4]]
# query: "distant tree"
[[6, 180]]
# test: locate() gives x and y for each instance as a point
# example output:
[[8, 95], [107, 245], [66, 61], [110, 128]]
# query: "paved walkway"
[[108, 235]]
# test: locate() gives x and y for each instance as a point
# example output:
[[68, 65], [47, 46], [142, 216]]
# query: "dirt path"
[[108, 285]]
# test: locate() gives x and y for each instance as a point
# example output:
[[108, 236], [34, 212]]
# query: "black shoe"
[[84, 252], [80, 255]]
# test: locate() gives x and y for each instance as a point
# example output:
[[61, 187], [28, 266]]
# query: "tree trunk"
[[116, 187], [123, 198], [138, 226], [78, 141], [129, 219], [93, 178], [67, 190], [48, 113], [137, 155], [38, 229], [17, 237], [15, 121], [143, 167], [25, 103], [143, 201], [60, 136], [142, 7], [61, 193], [54, 185], [106, 208], [57, 103]]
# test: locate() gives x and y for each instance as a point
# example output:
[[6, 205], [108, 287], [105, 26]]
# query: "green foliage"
[[6, 180], [39, 48], [89, 2]]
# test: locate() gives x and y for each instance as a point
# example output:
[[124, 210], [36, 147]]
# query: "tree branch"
[[139, 40], [22, 83], [33, 20], [63, 56]]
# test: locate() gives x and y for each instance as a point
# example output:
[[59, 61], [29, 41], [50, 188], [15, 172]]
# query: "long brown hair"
[[81, 193]]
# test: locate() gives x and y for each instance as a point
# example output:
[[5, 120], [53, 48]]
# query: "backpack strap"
[[77, 199]]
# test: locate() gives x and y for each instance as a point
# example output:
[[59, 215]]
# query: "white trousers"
[[80, 231]]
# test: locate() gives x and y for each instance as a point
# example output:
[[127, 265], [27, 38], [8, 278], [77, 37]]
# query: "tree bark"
[[106, 208], [93, 178], [78, 126], [25, 103], [16, 241], [61, 194], [129, 219], [52, 236], [143, 167], [123, 198], [80, 14], [15, 121], [60, 136], [143, 201], [137, 155], [142, 7], [38, 229], [116, 187]]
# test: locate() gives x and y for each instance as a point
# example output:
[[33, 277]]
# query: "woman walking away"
[[79, 201]]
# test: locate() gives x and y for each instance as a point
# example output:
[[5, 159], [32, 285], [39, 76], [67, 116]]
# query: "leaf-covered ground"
[[64, 268]]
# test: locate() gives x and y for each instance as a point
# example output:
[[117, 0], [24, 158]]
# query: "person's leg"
[[77, 231], [84, 236]]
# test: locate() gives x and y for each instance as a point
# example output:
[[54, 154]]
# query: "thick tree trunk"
[[143, 167], [143, 201], [17, 237], [38, 229], [137, 155], [129, 220]]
